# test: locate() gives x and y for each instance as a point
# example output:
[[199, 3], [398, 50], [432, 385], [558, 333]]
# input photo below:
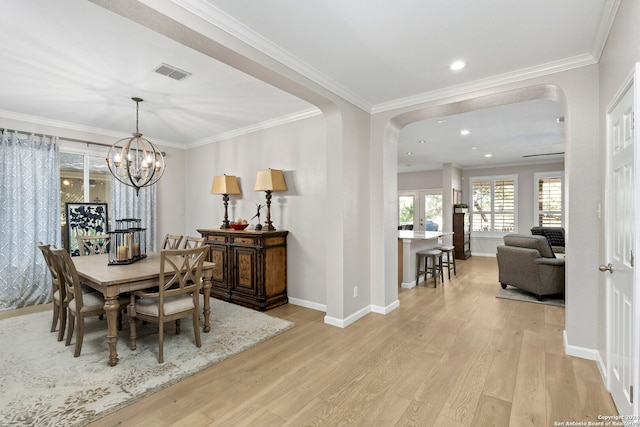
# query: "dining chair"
[[176, 297], [193, 242], [171, 241], [79, 303], [58, 292], [93, 245]]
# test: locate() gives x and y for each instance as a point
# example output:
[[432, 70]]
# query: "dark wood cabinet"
[[251, 266], [461, 235]]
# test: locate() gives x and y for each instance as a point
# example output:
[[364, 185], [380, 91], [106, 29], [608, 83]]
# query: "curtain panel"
[[125, 204], [29, 213]]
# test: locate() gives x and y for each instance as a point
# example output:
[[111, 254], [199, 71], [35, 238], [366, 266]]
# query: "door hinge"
[[630, 394], [632, 260]]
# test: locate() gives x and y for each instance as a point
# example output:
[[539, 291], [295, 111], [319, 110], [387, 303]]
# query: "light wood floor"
[[450, 356]]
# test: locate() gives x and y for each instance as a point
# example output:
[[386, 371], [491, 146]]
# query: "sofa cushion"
[[540, 243], [555, 235]]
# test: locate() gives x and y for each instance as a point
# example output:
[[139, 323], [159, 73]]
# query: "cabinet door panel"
[[245, 273], [218, 256]]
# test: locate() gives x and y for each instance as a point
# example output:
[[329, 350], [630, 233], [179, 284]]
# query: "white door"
[[622, 326]]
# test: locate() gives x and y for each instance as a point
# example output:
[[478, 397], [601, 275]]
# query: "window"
[[405, 210], [493, 204], [432, 212], [83, 178], [549, 201]]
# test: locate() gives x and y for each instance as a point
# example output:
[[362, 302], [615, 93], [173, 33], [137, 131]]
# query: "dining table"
[[114, 280]]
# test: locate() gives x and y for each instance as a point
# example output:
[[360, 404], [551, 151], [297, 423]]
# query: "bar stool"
[[435, 255], [451, 259]]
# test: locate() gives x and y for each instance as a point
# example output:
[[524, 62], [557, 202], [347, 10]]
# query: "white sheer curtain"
[[29, 212], [125, 204]]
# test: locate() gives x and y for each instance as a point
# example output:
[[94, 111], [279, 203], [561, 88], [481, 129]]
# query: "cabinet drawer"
[[274, 241], [218, 239], [244, 241]]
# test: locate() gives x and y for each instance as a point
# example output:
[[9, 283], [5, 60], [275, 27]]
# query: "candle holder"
[[127, 242]]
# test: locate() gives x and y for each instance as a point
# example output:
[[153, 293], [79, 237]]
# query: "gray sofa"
[[528, 263]]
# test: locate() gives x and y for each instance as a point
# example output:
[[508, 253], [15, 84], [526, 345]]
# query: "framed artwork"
[[84, 219]]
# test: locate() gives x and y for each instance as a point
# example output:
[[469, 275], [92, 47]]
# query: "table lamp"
[[225, 185], [269, 180]]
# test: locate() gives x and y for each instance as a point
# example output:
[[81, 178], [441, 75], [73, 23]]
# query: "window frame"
[[536, 180], [493, 212]]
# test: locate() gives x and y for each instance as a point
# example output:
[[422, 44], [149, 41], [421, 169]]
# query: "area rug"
[[519, 295], [42, 384]]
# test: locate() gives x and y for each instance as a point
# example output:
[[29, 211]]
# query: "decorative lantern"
[[128, 242]]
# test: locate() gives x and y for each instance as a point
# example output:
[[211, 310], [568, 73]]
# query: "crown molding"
[[232, 26], [258, 127], [498, 80], [41, 121], [609, 12]]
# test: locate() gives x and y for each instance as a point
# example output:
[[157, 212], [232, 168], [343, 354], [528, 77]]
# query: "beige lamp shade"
[[225, 184], [270, 180]]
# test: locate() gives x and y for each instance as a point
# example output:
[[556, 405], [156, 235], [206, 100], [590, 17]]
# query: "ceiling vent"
[[171, 71], [544, 154]]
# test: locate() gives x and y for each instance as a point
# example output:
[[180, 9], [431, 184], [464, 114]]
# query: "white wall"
[[299, 150], [620, 54], [419, 180]]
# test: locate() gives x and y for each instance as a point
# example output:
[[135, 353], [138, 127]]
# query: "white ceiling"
[[74, 64]]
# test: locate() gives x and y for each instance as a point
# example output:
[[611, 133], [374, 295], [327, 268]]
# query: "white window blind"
[[493, 204], [549, 212]]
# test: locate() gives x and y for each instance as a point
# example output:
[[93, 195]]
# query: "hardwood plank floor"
[[450, 356]]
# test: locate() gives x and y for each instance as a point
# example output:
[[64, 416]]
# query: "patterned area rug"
[[518, 295], [42, 384]]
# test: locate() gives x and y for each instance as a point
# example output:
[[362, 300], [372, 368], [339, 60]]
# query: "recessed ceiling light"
[[457, 65], [474, 148], [441, 121], [409, 153], [465, 132], [488, 155], [422, 141]]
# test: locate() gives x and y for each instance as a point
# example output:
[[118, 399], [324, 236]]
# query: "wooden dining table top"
[[96, 268]]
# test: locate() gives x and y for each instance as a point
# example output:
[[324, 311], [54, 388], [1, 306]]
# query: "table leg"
[[206, 290], [111, 308]]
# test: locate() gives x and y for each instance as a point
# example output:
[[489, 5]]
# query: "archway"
[[385, 295]]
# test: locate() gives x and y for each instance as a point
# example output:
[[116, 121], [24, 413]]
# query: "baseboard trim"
[[343, 323], [308, 304], [582, 352], [491, 255], [385, 310], [586, 353]]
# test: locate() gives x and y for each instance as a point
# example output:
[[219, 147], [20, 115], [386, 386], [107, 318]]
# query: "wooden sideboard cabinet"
[[251, 266], [461, 235]]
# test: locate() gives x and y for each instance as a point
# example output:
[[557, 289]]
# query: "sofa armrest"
[[550, 261]]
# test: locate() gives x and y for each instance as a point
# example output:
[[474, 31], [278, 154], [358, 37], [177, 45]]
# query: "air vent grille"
[[171, 71]]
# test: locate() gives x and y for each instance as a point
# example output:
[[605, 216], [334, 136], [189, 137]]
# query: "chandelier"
[[135, 161]]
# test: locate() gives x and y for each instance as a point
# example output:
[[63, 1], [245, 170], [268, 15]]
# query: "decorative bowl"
[[238, 226]]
